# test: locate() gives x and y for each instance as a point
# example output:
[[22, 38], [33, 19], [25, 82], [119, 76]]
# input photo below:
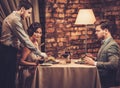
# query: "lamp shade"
[[85, 17]]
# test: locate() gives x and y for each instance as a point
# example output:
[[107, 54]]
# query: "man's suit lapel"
[[103, 47]]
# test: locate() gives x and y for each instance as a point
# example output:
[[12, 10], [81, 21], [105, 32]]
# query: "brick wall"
[[61, 32]]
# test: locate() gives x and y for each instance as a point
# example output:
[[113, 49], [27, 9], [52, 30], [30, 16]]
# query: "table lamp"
[[85, 17]]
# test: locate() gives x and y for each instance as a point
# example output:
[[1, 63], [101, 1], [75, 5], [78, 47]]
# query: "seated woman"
[[29, 60]]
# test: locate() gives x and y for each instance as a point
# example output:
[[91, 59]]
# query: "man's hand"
[[89, 60], [91, 56]]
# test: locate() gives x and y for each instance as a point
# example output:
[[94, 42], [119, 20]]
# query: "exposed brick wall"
[[61, 32]]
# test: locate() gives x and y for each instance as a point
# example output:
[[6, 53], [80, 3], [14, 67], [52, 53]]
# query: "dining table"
[[66, 75]]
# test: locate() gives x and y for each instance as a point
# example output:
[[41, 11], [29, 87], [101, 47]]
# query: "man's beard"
[[101, 38]]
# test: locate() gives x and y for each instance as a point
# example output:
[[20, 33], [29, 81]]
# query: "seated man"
[[108, 56]]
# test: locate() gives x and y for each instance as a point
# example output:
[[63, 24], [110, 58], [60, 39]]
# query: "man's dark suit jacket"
[[107, 62]]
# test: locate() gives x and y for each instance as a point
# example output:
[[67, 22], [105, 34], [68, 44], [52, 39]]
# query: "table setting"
[[73, 74]]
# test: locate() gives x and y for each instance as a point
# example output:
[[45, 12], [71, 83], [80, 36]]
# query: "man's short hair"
[[105, 24], [25, 4]]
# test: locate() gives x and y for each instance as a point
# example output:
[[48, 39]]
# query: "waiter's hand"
[[44, 55]]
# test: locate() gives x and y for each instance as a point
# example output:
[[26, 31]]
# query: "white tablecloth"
[[66, 76]]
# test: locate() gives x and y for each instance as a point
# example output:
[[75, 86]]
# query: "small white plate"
[[57, 60], [46, 64]]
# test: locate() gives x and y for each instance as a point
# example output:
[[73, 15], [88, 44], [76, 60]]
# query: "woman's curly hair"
[[33, 27]]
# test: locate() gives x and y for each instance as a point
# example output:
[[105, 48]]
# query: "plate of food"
[[52, 60], [80, 62]]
